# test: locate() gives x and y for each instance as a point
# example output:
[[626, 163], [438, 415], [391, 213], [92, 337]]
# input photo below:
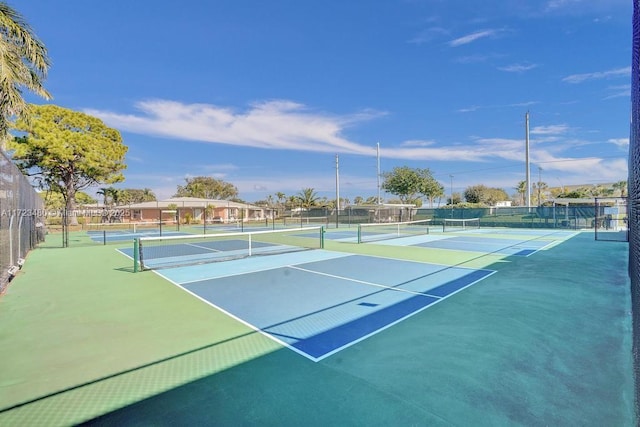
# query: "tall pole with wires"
[[337, 185], [378, 170], [526, 140], [337, 191]]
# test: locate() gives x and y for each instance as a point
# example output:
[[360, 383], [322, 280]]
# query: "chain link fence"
[[634, 195], [21, 219]]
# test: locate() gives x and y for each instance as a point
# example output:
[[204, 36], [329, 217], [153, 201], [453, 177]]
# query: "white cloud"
[[469, 109], [278, 125], [482, 107], [285, 125], [517, 68], [619, 91], [549, 130], [275, 124], [472, 59], [470, 38], [428, 35], [579, 78], [418, 143], [560, 4], [620, 142]]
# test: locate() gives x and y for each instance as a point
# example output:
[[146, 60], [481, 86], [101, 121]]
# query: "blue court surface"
[[319, 302], [501, 242], [497, 246]]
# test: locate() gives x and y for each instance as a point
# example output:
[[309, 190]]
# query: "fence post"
[[136, 254]]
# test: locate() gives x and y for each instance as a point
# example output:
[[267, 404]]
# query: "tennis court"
[[391, 332], [488, 241], [321, 302]]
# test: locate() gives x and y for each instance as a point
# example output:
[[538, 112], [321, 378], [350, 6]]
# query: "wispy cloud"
[[517, 68], [473, 59], [599, 75], [549, 130], [469, 109], [275, 124], [470, 38], [561, 4], [619, 91], [285, 125], [279, 125], [484, 107], [620, 142], [418, 143], [428, 35], [584, 6]]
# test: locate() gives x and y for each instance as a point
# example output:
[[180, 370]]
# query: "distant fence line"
[[21, 219], [603, 213]]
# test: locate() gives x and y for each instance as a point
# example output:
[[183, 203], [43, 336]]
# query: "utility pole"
[[528, 174], [378, 169], [337, 187]]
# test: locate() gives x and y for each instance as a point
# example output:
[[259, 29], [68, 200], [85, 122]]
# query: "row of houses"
[[187, 209]]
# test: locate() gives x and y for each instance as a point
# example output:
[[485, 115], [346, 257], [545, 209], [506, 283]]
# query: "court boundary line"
[[402, 319], [204, 247], [279, 341], [282, 343], [260, 269], [377, 285], [233, 316], [497, 252]]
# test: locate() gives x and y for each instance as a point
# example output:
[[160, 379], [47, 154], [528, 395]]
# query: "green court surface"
[[544, 341]]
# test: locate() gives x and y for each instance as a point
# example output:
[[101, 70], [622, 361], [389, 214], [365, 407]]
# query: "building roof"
[[190, 202]]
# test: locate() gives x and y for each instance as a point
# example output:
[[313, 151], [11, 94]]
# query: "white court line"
[[254, 267], [203, 247], [363, 282]]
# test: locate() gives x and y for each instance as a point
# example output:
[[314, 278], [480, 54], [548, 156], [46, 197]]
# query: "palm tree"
[[622, 187], [540, 188], [522, 190], [23, 64], [148, 195], [307, 197], [291, 202], [104, 192]]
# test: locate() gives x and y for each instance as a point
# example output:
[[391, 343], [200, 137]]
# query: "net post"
[[359, 234], [136, 254], [322, 237], [104, 237]]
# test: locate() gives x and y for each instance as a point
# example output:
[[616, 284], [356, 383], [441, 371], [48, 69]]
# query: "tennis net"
[[130, 227], [453, 224], [392, 230], [305, 221], [152, 253]]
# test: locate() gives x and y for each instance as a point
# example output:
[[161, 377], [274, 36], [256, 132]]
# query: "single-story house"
[[194, 209]]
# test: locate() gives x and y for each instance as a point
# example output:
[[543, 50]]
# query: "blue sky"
[[264, 94]]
